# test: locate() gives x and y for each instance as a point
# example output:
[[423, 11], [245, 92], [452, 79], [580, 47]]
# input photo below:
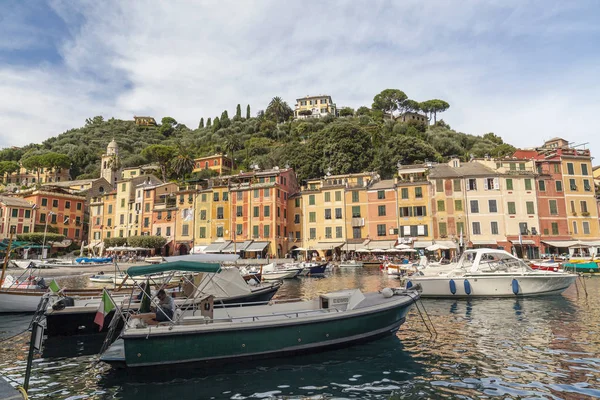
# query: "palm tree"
[[279, 110], [183, 164], [232, 143]]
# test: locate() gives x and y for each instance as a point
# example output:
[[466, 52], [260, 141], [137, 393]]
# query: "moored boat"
[[581, 267], [351, 264]]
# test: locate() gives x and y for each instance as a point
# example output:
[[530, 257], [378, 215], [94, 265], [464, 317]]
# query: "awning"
[[560, 243], [382, 244], [257, 246], [198, 249], [188, 266], [216, 247], [524, 241], [421, 244], [357, 246], [327, 245], [237, 246], [591, 243], [484, 242]]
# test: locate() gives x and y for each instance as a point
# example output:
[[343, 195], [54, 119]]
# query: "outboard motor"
[[62, 303], [42, 284]]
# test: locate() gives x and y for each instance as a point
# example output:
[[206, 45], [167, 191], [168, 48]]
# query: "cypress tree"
[[238, 111], [248, 112], [224, 115], [216, 124], [208, 123], [201, 125]]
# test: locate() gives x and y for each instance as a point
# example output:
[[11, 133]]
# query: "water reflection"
[[509, 348]]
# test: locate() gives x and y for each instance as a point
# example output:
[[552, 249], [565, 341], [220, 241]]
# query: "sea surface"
[[541, 348]]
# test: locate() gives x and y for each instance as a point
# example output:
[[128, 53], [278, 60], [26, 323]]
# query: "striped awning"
[[217, 247]]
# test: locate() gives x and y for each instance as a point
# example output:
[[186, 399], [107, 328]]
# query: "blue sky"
[[525, 70]]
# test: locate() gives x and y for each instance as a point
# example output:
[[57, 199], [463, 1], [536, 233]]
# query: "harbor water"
[[538, 348]]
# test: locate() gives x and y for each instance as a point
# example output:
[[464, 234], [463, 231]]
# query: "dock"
[[7, 392]]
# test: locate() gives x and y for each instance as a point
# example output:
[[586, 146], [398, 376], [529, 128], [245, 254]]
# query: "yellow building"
[[414, 204], [144, 121], [314, 107], [16, 213], [129, 204], [133, 172], [26, 177]]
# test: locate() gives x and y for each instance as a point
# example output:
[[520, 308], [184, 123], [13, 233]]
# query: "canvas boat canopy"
[[187, 266]]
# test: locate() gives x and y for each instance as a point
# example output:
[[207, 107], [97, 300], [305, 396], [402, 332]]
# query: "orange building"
[[381, 211], [18, 213], [218, 162]]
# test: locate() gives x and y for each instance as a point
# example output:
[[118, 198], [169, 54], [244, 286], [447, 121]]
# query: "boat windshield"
[[492, 261]]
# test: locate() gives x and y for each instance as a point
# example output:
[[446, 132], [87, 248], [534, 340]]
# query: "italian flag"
[[106, 306]]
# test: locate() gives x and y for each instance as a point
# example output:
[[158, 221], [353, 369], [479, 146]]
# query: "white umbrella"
[[363, 251], [392, 250], [403, 246], [377, 250], [436, 246], [407, 251]]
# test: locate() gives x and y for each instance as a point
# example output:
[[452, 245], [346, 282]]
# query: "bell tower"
[[110, 169]]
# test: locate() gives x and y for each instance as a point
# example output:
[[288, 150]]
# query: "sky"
[[525, 70]]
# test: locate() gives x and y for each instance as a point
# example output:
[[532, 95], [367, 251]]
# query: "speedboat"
[[313, 268], [546, 265], [271, 272], [492, 273], [274, 329]]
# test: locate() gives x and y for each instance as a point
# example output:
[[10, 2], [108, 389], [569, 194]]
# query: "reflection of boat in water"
[[270, 330], [351, 264], [492, 273]]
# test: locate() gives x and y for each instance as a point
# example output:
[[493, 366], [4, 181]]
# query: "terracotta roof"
[[15, 202], [465, 170], [384, 184]]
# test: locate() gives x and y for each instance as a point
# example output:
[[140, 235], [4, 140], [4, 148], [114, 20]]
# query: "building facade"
[[16, 214], [314, 107]]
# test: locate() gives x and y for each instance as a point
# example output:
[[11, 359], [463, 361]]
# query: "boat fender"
[[387, 292], [452, 286], [515, 286], [409, 284], [467, 286]]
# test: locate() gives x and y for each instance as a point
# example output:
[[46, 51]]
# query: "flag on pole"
[[54, 287], [105, 307]]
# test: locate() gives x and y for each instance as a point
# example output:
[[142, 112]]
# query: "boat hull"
[[493, 286], [258, 341], [273, 276]]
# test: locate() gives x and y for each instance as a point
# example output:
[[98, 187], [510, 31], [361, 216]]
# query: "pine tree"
[[216, 124], [238, 111], [224, 115], [208, 123], [201, 125], [248, 112]]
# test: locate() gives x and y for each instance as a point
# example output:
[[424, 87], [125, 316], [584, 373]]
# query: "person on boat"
[[141, 293], [163, 313]]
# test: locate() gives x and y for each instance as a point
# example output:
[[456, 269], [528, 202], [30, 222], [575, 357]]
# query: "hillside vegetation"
[[354, 142]]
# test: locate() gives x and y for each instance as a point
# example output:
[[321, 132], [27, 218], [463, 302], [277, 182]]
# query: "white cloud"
[[195, 59]]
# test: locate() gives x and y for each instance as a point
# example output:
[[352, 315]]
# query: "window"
[[586, 185], [328, 233], [215, 196], [441, 205], [583, 205], [338, 232], [542, 186], [256, 193], [266, 231], [327, 196], [255, 231], [355, 211], [472, 184], [267, 192], [123, 187], [559, 186], [491, 184], [240, 195], [584, 171], [146, 222], [202, 233], [108, 222], [296, 218], [121, 232], [493, 206], [185, 230], [312, 233], [26, 230], [458, 205], [523, 228], [256, 212], [356, 232], [530, 207], [418, 193], [474, 206], [297, 202], [572, 206], [267, 211], [494, 227], [420, 211], [572, 184], [439, 185], [380, 194], [355, 197], [575, 231], [443, 229], [202, 215], [67, 204], [553, 207], [586, 227], [55, 203], [338, 196], [312, 216], [456, 185], [121, 219], [527, 184], [225, 196], [521, 166], [204, 197], [404, 193], [509, 183], [43, 218], [219, 231], [512, 208], [338, 213], [311, 200], [44, 202], [555, 228], [239, 229], [328, 213], [147, 207], [460, 227], [406, 211], [380, 229], [570, 169], [381, 211], [66, 231], [476, 228], [239, 211], [219, 212], [122, 203]]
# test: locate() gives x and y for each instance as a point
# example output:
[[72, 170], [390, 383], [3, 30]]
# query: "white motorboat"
[[491, 273], [351, 264], [272, 272]]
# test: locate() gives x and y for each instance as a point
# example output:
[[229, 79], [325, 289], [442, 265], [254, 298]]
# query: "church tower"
[[110, 169]]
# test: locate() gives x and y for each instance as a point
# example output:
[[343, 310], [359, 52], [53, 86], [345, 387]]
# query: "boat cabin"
[[343, 301]]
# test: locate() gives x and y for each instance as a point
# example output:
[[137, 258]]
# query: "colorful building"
[[414, 213], [220, 163], [314, 107], [16, 213]]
